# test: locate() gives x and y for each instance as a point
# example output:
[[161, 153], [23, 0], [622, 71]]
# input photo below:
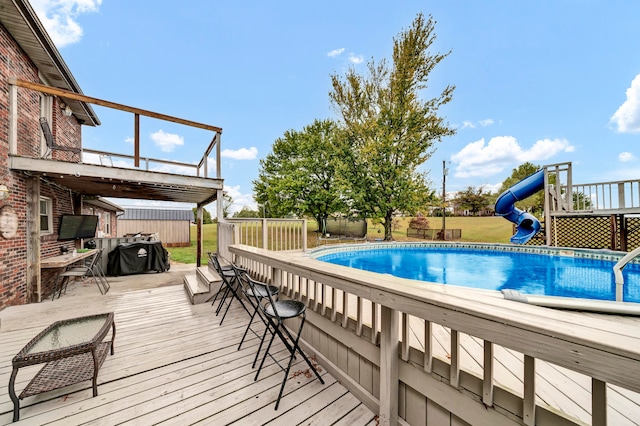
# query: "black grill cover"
[[138, 257]]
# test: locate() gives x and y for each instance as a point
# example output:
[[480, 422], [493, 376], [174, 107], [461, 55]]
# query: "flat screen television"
[[75, 227]]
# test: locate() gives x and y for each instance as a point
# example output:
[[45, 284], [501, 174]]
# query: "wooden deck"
[[173, 364]]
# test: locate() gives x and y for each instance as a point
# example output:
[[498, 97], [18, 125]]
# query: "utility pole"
[[444, 199]]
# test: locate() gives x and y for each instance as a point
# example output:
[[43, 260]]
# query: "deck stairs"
[[203, 284]]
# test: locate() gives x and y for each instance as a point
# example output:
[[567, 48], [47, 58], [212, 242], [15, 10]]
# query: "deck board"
[[173, 364]]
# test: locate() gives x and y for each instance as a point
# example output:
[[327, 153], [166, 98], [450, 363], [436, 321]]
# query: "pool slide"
[[527, 224]]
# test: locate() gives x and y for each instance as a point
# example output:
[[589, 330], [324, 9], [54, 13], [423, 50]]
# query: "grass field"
[[489, 229]]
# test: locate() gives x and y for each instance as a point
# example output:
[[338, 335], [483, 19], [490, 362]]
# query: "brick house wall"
[[101, 230], [14, 63]]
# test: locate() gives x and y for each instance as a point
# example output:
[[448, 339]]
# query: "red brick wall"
[[14, 63], [101, 213]]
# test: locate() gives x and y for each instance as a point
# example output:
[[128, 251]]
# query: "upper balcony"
[[109, 174]]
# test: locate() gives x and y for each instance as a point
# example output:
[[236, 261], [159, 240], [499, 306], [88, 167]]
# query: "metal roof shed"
[[172, 226]]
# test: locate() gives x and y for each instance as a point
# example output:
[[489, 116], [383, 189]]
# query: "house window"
[[107, 223], [46, 217]]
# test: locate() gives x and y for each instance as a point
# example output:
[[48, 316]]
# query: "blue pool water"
[[529, 273]]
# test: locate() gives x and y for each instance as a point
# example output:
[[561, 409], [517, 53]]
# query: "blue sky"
[[546, 82]]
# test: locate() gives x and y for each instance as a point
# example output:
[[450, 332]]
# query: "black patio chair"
[[90, 269], [254, 294], [221, 270], [230, 286], [276, 312], [103, 283]]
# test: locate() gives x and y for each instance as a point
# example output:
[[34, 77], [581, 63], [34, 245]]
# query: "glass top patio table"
[[73, 350]]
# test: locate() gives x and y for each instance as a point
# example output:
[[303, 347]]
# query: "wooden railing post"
[[265, 234], [598, 402], [304, 235], [389, 339]]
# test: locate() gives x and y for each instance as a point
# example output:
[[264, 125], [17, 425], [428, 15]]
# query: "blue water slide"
[[527, 225]]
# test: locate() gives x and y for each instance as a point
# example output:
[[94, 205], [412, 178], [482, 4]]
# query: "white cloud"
[[240, 154], [627, 117], [355, 59], [502, 152], [59, 18], [335, 52], [625, 157], [468, 124], [167, 142], [492, 188]]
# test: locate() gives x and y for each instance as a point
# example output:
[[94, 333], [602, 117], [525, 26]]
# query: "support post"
[[389, 339], [136, 140], [199, 214]]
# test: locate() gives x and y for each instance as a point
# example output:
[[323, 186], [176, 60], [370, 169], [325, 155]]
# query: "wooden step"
[[201, 285]]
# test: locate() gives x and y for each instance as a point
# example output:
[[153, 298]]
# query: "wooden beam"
[[34, 276], [96, 101], [199, 238], [487, 382], [136, 140], [598, 402], [529, 400]]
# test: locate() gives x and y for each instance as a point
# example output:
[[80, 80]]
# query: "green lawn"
[[490, 229]]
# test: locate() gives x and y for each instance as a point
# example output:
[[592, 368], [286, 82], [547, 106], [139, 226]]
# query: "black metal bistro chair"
[[227, 269], [230, 286], [276, 312], [254, 294]]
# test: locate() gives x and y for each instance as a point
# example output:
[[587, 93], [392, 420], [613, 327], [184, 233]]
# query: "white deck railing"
[[381, 337], [619, 195], [270, 234]]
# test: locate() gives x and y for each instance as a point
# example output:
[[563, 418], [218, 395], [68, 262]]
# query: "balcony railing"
[[380, 337], [603, 196], [200, 169]]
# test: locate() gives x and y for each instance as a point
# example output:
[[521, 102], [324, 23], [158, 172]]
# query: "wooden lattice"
[[633, 233], [584, 232], [595, 232]]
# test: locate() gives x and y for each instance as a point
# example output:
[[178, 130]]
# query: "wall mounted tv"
[[75, 227]]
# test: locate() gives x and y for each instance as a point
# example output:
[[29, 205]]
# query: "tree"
[[388, 130], [227, 202], [534, 203], [473, 199], [206, 216], [246, 212], [299, 175]]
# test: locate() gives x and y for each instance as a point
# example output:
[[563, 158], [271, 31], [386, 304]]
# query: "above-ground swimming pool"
[[574, 273]]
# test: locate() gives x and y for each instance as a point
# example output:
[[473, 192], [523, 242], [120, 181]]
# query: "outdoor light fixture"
[[4, 192], [66, 109]]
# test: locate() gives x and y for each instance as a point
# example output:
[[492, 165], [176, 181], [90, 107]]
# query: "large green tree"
[[206, 216], [473, 199], [299, 175], [389, 131]]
